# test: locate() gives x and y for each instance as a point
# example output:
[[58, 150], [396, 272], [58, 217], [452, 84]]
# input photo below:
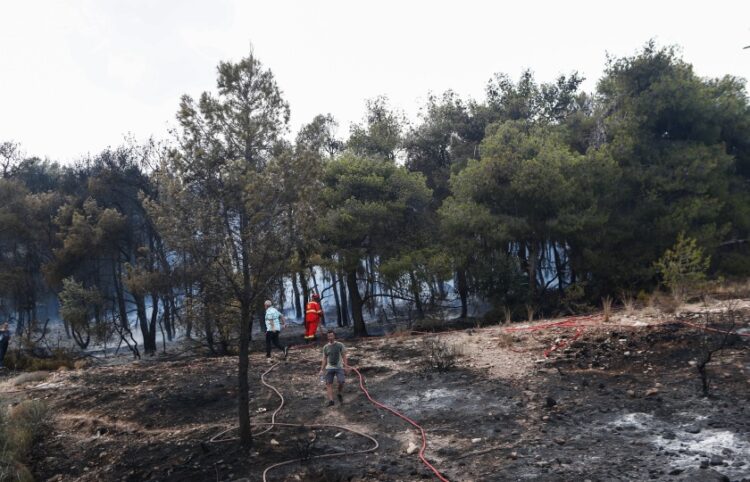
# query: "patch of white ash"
[[636, 420], [434, 399], [727, 451]]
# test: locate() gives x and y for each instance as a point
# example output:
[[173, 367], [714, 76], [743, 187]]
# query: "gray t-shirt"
[[335, 354]]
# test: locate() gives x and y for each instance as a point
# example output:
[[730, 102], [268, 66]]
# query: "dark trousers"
[[272, 337], [3, 349]]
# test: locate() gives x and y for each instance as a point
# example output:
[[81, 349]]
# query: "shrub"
[[664, 303], [18, 360], [683, 267], [505, 340], [429, 324], [441, 356], [304, 443]]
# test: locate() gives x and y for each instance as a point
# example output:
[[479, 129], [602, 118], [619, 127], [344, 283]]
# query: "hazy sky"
[[77, 76]]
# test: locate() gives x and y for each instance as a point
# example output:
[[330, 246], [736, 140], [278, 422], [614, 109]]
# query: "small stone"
[[704, 464], [476, 440], [716, 460], [514, 455], [693, 429], [411, 448], [559, 440], [274, 442], [652, 391], [631, 393]]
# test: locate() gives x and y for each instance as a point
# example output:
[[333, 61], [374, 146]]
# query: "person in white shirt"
[[274, 322]]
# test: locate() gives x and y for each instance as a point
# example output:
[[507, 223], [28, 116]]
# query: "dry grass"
[[530, 312], [722, 289], [39, 376], [607, 307], [628, 302], [429, 324], [400, 332], [17, 360], [507, 315], [505, 340], [664, 303], [81, 364], [20, 428]]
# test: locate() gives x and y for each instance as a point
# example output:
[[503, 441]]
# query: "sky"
[[79, 76]]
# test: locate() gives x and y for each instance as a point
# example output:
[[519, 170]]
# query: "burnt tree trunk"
[[297, 304], [463, 291], [359, 322], [243, 396], [344, 301], [140, 309], [416, 293], [339, 320]]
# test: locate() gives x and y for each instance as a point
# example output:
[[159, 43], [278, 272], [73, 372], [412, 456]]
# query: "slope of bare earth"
[[614, 401]]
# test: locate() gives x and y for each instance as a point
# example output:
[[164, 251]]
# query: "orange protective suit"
[[313, 317]]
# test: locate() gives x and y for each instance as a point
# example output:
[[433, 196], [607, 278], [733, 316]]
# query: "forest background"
[[539, 198]]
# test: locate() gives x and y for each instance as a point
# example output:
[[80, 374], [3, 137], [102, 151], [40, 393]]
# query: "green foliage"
[[449, 135], [665, 129], [528, 101], [81, 308], [372, 207], [528, 189], [683, 266], [381, 134]]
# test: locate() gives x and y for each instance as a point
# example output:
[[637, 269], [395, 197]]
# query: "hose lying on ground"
[[218, 438]]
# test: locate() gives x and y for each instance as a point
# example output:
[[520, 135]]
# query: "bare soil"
[[622, 401]]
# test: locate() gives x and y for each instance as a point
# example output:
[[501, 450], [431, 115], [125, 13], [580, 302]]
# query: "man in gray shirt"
[[334, 364]]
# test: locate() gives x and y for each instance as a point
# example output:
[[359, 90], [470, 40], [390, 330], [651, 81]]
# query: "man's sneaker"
[[341, 398], [286, 351], [330, 403]]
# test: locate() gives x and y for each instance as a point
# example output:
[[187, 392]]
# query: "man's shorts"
[[334, 372]]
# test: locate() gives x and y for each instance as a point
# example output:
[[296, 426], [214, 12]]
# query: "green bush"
[[683, 267]]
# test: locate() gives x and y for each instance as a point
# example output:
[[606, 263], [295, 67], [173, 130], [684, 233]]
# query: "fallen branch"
[[481, 452]]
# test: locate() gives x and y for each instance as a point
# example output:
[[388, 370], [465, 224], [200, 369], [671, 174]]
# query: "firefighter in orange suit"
[[313, 317]]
